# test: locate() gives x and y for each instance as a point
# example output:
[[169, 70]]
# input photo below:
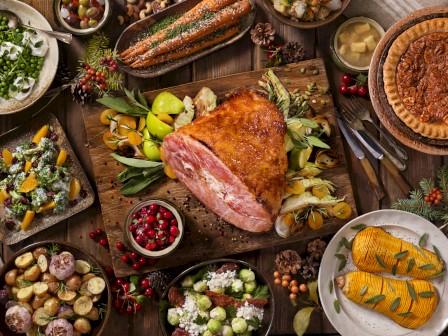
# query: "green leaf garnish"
[[437, 252], [359, 227], [376, 299], [411, 291], [395, 304], [427, 267], [438, 275], [401, 255], [426, 294], [261, 292], [394, 269], [411, 264], [423, 240], [406, 314], [340, 256], [391, 287], [363, 290], [346, 243], [419, 250], [380, 261], [331, 286], [337, 306]]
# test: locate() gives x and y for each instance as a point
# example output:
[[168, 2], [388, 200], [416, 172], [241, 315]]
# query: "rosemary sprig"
[[53, 249]]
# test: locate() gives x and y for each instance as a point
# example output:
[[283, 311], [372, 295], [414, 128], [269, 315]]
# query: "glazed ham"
[[234, 160]]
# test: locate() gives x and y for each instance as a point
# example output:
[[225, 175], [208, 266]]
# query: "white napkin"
[[387, 12]]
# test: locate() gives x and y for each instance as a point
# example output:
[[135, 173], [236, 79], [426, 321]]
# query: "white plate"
[[359, 321], [28, 15]]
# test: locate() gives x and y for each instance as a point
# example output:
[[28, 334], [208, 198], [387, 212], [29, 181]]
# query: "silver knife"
[[359, 153]]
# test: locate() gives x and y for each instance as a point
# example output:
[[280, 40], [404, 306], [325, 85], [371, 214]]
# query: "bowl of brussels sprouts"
[[82, 17], [224, 296]]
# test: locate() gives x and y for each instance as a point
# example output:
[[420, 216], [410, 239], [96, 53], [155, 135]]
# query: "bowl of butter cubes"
[[218, 297]]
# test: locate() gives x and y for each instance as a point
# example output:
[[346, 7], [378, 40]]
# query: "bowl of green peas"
[[82, 17], [28, 59]]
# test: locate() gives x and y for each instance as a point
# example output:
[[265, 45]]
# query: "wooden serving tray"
[[208, 237]]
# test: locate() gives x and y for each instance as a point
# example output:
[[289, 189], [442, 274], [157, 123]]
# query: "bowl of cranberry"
[[154, 228]]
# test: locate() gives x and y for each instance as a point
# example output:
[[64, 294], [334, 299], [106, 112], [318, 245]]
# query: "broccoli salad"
[[225, 301], [34, 179]]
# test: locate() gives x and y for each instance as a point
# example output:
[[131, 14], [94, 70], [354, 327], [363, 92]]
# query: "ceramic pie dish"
[[377, 86]]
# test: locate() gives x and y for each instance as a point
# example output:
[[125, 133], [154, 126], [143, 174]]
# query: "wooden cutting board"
[[207, 236]]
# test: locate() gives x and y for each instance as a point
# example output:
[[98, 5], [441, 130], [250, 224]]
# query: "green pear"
[[150, 148], [166, 102], [157, 127]]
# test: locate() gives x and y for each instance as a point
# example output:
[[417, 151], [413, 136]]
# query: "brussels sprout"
[[246, 333], [219, 290], [173, 317], [187, 282], [218, 313], [249, 287], [200, 286], [214, 326], [237, 286], [207, 333], [239, 325], [246, 275], [227, 330], [246, 296], [204, 302]]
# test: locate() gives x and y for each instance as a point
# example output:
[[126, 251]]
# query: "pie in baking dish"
[[416, 78]]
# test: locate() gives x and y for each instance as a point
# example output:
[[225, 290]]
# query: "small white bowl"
[[79, 31]]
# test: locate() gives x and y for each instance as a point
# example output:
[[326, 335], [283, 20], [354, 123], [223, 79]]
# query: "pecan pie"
[[416, 78]]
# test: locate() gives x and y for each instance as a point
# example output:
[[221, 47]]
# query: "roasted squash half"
[[409, 303], [374, 250]]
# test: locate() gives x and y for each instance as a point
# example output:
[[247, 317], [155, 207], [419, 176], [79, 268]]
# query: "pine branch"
[[426, 185], [442, 175]]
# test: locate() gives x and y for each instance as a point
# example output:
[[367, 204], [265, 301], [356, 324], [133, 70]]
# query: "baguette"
[[224, 18], [188, 50], [194, 14]]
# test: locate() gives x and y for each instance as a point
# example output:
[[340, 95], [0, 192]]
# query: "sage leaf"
[[438, 275], [375, 299], [342, 264], [391, 287], [401, 255], [346, 243], [411, 291], [427, 267], [437, 252], [137, 163], [406, 314], [337, 306], [302, 320], [316, 142], [340, 256], [331, 286], [363, 290], [380, 261], [423, 240], [359, 227], [118, 104], [419, 250], [142, 99], [394, 269], [312, 290], [411, 264], [425, 294], [395, 304], [308, 123], [137, 184]]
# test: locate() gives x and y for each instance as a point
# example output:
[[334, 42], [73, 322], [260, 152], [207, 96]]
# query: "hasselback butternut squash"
[[375, 250], [409, 303]]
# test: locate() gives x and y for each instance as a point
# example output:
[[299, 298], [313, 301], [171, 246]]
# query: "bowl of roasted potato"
[[53, 288]]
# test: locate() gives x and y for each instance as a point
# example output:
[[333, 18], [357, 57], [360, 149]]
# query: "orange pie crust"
[[416, 78]]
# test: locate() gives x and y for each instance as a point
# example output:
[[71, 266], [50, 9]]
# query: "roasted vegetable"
[[409, 303], [375, 250]]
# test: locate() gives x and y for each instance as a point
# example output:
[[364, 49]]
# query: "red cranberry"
[[149, 292], [139, 240], [159, 242], [133, 228], [144, 283], [173, 222], [153, 207], [167, 215], [151, 233], [150, 219], [171, 239], [146, 227], [99, 232], [140, 220], [103, 242], [136, 266], [92, 235], [120, 246], [10, 225], [134, 216], [343, 89], [117, 304], [142, 261], [126, 286], [362, 91], [353, 90], [138, 307], [119, 282], [134, 255], [163, 225], [129, 310], [54, 137], [125, 258], [150, 246]]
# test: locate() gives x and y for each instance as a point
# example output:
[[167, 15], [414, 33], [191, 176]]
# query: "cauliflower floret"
[[39, 197], [61, 200]]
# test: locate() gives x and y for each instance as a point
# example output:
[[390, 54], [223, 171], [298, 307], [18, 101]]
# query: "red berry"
[[149, 292], [134, 255], [136, 266], [167, 215], [173, 222], [151, 233], [153, 207], [426, 198], [126, 286], [125, 258], [119, 281], [129, 310], [346, 79], [150, 246], [120, 246], [142, 261], [343, 89], [174, 231], [163, 225], [139, 239], [353, 90], [144, 283], [103, 242], [92, 235], [362, 91], [102, 86], [150, 219], [171, 239], [138, 307], [152, 262]]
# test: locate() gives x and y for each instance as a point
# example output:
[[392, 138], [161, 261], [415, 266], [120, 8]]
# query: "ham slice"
[[234, 160]]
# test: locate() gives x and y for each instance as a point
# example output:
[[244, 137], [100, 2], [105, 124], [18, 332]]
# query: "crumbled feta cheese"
[[37, 43], [15, 168], [188, 313], [216, 281], [249, 311], [11, 50]]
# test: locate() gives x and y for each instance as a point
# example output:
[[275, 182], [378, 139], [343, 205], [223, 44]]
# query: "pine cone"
[[288, 261], [310, 267], [80, 95], [63, 75], [159, 280], [316, 248], [293, 52], [262, 34]]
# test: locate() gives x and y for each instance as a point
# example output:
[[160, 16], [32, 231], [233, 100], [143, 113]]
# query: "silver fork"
[[364, 114], [357, 125]]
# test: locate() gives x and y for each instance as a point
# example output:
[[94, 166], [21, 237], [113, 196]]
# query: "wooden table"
[[239, 57]]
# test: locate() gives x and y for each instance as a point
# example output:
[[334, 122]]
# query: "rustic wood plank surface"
[[241, 56]]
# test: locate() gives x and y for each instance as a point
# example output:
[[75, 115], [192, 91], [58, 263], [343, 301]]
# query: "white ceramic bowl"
[[29, 15]]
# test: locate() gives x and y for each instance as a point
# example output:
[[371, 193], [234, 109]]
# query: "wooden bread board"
[[207, 236]]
